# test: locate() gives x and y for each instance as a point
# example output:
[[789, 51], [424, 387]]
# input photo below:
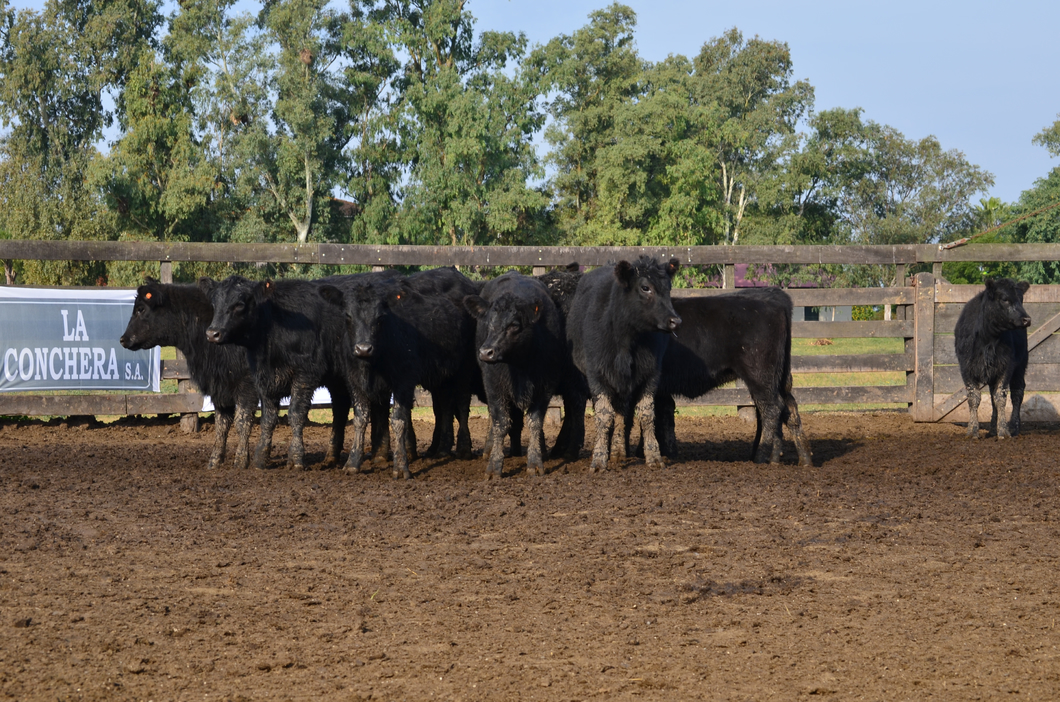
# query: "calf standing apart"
[[991, 343], [618, 328], [745, 335], [293, 341], [520, 353], [178, 315]]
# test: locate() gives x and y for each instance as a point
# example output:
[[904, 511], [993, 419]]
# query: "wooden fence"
[[925, 313]]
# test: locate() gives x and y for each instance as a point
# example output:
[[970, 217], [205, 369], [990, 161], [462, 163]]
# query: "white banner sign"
[[68, 340]]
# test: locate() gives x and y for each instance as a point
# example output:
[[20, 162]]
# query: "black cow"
[[618, 328], [520, 351], [562, 284], [178, 315], [450, 283], [396, 339], [745, 335], [293, 342], [991, 343]]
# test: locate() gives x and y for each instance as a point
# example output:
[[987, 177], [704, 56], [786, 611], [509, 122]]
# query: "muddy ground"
[[909, 563]]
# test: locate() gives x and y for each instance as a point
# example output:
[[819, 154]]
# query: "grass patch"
[[844, 347]]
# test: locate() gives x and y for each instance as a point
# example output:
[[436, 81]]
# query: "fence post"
[[924, 316], [728, 277]]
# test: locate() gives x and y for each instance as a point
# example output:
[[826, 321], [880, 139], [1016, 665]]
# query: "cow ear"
[[331, 294], [573, 267], [206, 285], [476, 306], [672, 267], [1024, 286], [403, 296], [150, 294], [150, 280], [625, 273], [264, 289]]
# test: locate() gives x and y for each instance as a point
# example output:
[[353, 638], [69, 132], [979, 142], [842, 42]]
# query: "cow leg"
[[379, 420], [442, 438], [973, 410], [535, 464], [515, 432], [400, 419], [463, 432], [769, 416], [802, 444], [1000, 398], [605, 425], [646, 419], [297, 413], [270, 414], [340, 414], [1016, 390], [361, 409], [244, 421], [222, 422], [620, 435], [665, 425], [501, 422], [572, 431], [380, 416]]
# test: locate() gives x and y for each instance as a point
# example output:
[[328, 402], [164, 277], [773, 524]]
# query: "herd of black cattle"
[[612, 335]]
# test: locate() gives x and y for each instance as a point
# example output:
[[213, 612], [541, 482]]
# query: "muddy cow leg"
[[973, 410], [605, 425], [222, 423]]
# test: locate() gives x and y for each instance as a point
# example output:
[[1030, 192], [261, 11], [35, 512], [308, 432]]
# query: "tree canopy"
[[397, 121]]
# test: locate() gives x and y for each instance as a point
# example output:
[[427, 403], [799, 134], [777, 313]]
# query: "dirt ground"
[[909, 563]]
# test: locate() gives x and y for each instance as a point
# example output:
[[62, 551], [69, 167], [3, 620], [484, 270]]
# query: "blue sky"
[[981, 76]]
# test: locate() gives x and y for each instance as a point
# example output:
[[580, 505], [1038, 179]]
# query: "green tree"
[[463, 122], [746, 84], [592, 74], [56, 66]]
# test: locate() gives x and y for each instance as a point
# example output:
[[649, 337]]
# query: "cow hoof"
[[656, 463], [214, 464]]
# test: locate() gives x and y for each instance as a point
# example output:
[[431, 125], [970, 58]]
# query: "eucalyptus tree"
[[57, 67], [462, 122], [589, 76], [746, 86]]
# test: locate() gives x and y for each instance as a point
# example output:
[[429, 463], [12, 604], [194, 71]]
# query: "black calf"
[[991, 343], [178, 315], [618, 327], [745, 335], [293, 341], [520, 353]]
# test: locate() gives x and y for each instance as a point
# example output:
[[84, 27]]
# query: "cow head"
[[647, 283], [236, 306], [367, 305], [1005, 303], [143, 332], [508, 321]]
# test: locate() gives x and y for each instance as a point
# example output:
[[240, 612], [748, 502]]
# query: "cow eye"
[[645, 288], [513, 327], [238, 307]]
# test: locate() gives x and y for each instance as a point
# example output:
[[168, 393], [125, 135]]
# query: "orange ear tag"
[[148, 296]]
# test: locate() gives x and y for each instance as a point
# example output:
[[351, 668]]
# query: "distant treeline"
[[394, 121]]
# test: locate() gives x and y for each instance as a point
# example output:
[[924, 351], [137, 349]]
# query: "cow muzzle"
[[213, 335], [363, 350], [1025, 321], [489, 354]]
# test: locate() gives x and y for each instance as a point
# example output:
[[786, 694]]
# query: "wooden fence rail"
[[926, 309]]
